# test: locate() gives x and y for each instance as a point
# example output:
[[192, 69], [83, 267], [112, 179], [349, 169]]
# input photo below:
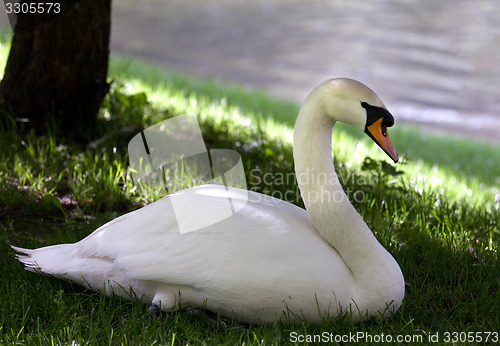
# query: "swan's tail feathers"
[[26, 259], [50, 260]]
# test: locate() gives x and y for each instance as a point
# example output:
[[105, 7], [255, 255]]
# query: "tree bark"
[[57, 67]]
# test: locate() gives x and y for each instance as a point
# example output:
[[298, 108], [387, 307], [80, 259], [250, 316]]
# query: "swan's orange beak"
[[378, 132]]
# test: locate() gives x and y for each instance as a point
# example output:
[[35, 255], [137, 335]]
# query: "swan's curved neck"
[[327, 205]]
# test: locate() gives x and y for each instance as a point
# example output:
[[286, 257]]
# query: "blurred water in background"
[[434, 63]]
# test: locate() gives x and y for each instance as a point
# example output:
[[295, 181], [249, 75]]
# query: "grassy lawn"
[[439, 217]]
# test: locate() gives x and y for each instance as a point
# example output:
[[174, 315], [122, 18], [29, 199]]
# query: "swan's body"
[[271, 260]]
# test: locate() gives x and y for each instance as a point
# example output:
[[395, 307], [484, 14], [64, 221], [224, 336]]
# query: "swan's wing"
[[148, 244]]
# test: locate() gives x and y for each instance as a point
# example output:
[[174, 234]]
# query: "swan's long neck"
[[328, 206]]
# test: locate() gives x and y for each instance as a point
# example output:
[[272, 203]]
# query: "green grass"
[[444, 237], [460, 169]]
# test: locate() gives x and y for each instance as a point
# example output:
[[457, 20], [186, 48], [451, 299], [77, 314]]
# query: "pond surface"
[[434, 63]]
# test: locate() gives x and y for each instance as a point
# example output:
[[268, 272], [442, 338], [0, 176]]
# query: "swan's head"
[[352, 102]]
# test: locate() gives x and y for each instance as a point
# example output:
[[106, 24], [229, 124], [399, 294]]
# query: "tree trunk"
[[57, 67]]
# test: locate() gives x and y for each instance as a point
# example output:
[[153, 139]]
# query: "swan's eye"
[[383, 128]]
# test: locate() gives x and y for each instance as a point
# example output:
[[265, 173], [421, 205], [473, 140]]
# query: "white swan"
[[272, 260]]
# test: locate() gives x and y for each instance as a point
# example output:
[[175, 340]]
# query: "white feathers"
[[271, 260]]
